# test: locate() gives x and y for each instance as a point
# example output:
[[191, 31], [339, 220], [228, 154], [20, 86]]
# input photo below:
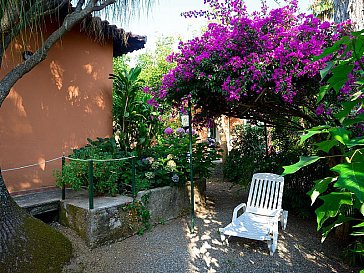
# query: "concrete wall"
[[55, 107], [111, 220]]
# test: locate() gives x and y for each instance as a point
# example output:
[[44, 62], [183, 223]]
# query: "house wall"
[[54, 108], [224, 133]]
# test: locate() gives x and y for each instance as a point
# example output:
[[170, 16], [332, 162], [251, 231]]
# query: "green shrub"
[[136, 121], [167, 162], [340, 144], [248, 156], [109, 177]]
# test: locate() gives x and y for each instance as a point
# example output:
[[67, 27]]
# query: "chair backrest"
[[265, 194]]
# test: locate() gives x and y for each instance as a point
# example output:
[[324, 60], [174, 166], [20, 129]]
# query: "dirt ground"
[[171, 247]]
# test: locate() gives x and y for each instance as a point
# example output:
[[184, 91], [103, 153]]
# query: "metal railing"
[[90, 173]]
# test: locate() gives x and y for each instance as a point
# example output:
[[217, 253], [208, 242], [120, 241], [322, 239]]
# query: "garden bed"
[[115, 218]]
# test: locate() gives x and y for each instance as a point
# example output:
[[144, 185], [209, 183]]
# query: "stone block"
[[112, 219]]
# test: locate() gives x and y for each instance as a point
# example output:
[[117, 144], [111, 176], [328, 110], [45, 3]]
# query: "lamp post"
[[191, 170], [186, 122]]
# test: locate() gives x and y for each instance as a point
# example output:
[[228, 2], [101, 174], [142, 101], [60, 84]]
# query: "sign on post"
[[184, 120]]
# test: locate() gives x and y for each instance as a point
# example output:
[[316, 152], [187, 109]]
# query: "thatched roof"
[[101, 30], [134, 42], [123, 42]]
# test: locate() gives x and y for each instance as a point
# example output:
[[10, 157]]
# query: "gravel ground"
[[173, 248]]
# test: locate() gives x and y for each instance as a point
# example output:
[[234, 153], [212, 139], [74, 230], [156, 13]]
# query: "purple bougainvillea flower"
[[320, 110], [244, 54]]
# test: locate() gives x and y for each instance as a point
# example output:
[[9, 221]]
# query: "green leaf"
[[340, 134], [339, 221], [334, 48], [134, 73], [360, 231], [340, 76], [320, 187], [360, 81], [358, 45], [357, 119], [326, 145], [358, 205], [320, 127], [359, 141], [359, 225], [331, 206], [304, 161], [326, 70], [322, 93], [348, 107], [351, 177], [309, 134]]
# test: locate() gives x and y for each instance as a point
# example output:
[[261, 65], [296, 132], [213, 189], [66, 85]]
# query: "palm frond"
[[29, 16]]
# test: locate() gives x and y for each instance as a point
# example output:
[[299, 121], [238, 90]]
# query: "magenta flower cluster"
[[247, 54]]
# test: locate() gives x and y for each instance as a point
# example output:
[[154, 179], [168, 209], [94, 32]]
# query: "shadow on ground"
[[173, 248], [299, 246]]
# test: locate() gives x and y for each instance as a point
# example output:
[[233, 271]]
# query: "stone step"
[[42, 201]]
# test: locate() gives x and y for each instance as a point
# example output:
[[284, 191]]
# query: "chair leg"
[[273, 246], [284, 218], [269, 243], [272, 243]]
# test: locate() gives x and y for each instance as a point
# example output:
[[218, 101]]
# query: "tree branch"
[[103, 5], [21, 69], [32, 14], [79, 5]]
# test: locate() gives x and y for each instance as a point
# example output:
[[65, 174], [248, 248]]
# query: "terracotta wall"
[[54, 108]]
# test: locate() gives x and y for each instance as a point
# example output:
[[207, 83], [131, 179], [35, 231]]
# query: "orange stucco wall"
[[54, 108]]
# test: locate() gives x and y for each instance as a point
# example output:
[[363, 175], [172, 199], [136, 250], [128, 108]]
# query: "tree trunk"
[[10, 218], [349, 9], [27, 244]]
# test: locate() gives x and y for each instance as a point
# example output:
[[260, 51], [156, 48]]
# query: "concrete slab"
[[100, 202], [37, 198], [44, 201]]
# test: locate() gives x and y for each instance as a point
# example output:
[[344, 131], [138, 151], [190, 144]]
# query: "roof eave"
[[133, 43]]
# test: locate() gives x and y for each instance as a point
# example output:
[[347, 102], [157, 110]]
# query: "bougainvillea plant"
[[255, 66]]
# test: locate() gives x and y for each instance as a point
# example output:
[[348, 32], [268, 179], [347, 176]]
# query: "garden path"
[[170, 247]]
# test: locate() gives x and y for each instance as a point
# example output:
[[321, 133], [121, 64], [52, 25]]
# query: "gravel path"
[[172, 248]]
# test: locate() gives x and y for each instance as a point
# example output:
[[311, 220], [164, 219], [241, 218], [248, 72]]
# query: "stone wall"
[[114, 218]]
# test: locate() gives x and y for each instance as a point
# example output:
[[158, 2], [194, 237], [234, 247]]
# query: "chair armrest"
[[235, 212]]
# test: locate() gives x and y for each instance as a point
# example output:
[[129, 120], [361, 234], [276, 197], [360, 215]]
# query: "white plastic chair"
[[262, 212]]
